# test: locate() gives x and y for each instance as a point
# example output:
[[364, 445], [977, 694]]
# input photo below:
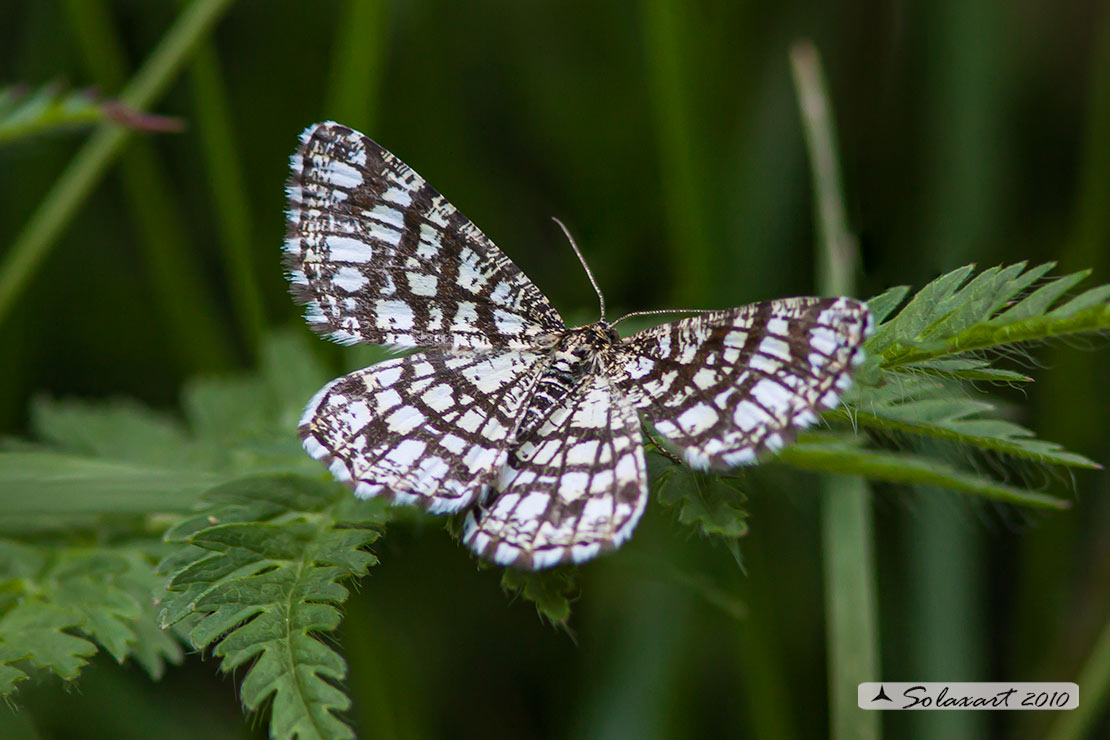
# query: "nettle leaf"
[[120, 468], [712, 504], [551, 591], [948, 317], [58, 604], [924, 362], [883, 304], [918, 314], [848, 456], [963, 421], [262, 567], [966, 368], [25, 112], [119, 429]]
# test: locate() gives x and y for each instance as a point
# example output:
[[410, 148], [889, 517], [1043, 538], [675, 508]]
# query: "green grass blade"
[[850, 605], [665, 32], [846, 519], [178, 286], [55, 212], [1094, 687], [354, 84], [229, 194]]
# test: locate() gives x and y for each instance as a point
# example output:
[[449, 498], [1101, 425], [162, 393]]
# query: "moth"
[[532, 428]]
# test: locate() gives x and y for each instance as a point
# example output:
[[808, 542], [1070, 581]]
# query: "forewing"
[[575, 487], [726, 386], [430, 429], [379, 256]]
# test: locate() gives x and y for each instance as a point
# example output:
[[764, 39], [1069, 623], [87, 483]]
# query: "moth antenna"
[[589, 274], [662, 311]]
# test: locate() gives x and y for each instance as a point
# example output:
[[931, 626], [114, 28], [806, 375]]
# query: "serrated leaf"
[[9, 674], [82, 582], [122, 430], [882, 304], [60, 602], [977, 301], [1038, 301], [258, 498], [710, 503], [549, 590], [847, 457], [1089, 318], [263, 591], [963, 368], [941, 321], [36, 631], [960, 420], [921, 312], [1095, 298]]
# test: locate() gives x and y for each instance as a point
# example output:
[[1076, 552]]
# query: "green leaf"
[[847, 457], [36, 631], [10, 676], [977, 301], [58, 603], [49, 483], [960, 420], [1038, 301], [292, 372], [26, 113], [550, 590], [117, 430], [882, 304], [944, 319], [265, 578], [228, 410], [919, 313], [710, 503], [965, 368]]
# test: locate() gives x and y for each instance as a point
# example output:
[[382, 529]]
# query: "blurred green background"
[[666, 135]]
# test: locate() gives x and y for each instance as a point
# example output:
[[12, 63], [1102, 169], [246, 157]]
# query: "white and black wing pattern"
[[575, 483], [431, 429], [378, 256], [529, 427], [727, 386]]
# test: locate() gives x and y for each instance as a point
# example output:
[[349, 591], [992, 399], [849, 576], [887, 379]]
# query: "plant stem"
[[664, 30], [837, 253], [177, 287], [355, 81], [1094, 685], [846, 524], [229, 194], [58, 208]]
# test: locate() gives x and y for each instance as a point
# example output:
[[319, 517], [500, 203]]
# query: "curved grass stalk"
[[846, 520]]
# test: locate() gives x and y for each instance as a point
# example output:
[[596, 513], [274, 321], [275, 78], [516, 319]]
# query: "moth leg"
[[659, 445]]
